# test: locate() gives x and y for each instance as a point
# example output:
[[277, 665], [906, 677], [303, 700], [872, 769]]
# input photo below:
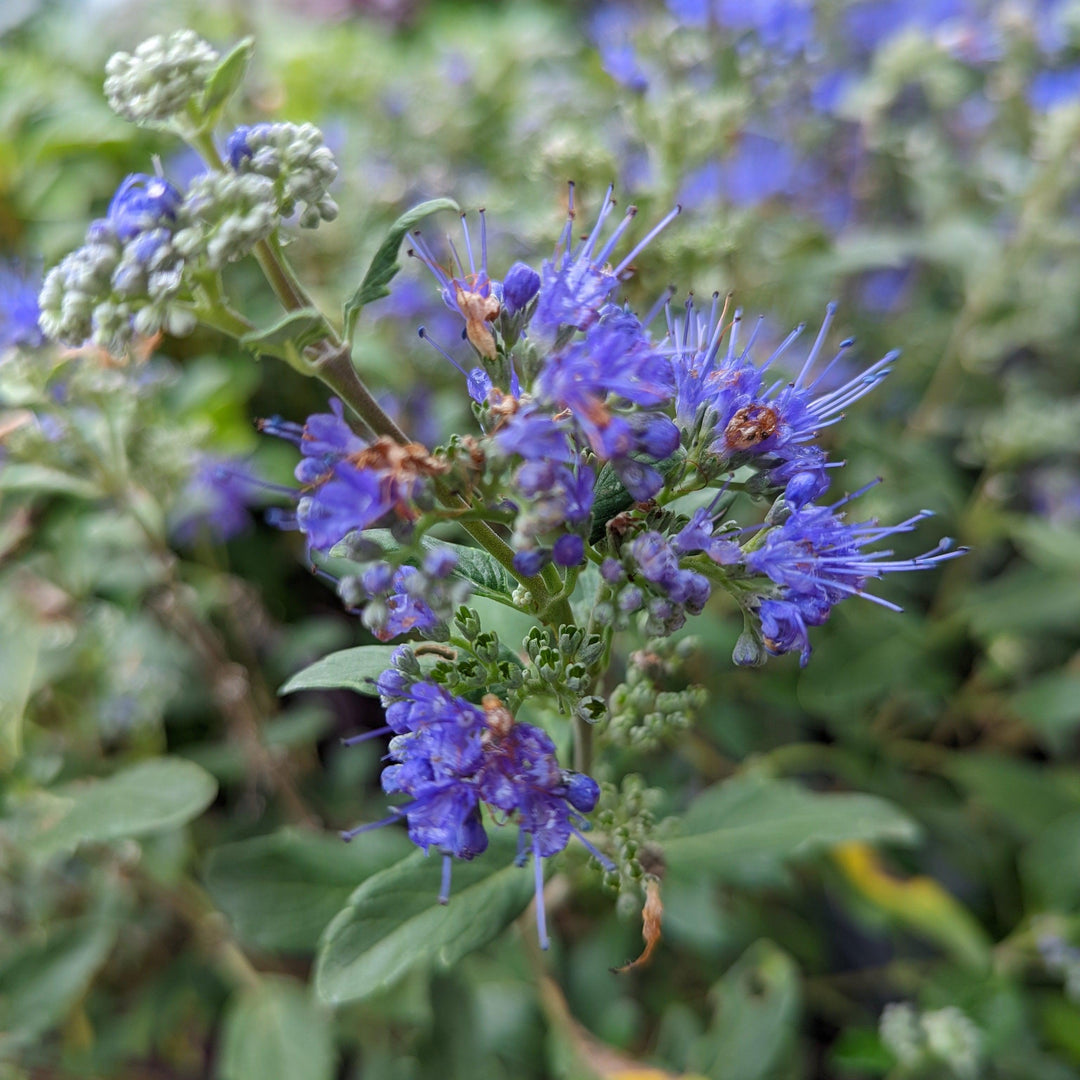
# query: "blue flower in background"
[[19, 311], [216, 500]]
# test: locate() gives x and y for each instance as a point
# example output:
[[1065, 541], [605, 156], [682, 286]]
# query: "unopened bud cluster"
[[565, 665], [299, 165], [128, 278], [941, 1039], [643, 714], [136, 271], [160, 79], [625, 815]]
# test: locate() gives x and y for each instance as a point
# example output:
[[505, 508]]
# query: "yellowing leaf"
[[918, 903]]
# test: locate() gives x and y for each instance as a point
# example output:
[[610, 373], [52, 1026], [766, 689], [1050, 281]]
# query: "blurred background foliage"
[[918, 162]]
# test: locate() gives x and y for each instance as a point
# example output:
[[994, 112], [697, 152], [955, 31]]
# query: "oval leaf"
[[280, 891], [757, 1015], [347, 669], [41, 980], [226, 80], [155, 795], [750, 817], [275, 1031], [395, 922]]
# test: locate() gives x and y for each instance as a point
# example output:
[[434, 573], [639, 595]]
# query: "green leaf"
[[348, 669], [1027, 797], [1051, 703], [20, 651], [610, 497], [280, 891], [754, 818], [225, 81], [46, 480], [488, 576], [160, 794], [42, 979], [394, 921], [385, 263], [276, 1031], [293, 331], [1050, 866], [757, 1012]]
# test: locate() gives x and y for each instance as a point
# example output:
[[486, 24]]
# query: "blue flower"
[[1049, 89], [521, 776], [577, 282], [471, 293], [449, 757], [595, 378], [406, 611], [348, 485], [19, 311], [750, 418], [142, 203], [237, 148], [817, 559], [216, 500], [519, 286], [351, 499]]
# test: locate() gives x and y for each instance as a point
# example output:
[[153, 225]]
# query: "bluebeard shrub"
[[622, 467]]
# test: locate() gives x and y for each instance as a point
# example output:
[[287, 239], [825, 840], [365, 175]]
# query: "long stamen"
[[354, 740], [648, 239], [599, 856], [444, 890], [468, 245], [541, 916], [830, 312], [348, 834], [425, 336]]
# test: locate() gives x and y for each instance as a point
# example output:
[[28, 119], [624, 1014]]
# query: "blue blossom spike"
[[817, 559], [752, 418], [578, 281]]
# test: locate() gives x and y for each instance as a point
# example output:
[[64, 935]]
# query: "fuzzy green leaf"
[[276, 1031], [348, 669], [225, 81], [280, 891], [754, 818], [160, 794], [394, 921]]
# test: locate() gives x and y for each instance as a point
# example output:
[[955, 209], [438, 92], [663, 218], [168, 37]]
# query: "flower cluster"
[[406, 599], [127, 278], [160, 79], [616, 473], [138, 271], [451, 757], [348, 484], [591, 426]]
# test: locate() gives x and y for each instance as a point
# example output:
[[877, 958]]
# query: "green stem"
[[583, 746], [286, 287]]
